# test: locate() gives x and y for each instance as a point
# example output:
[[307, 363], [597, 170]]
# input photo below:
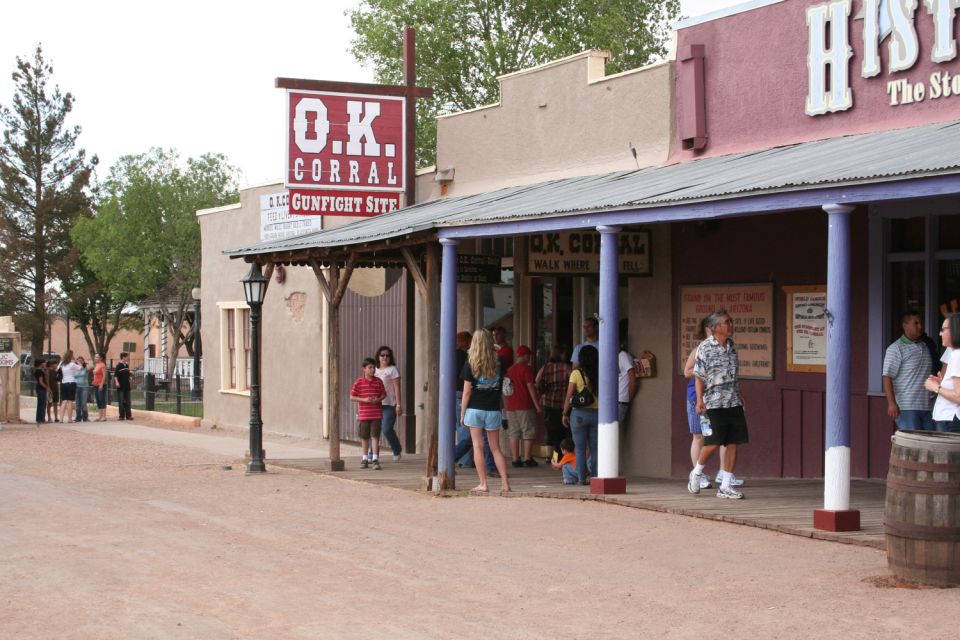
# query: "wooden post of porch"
[[432, 320]]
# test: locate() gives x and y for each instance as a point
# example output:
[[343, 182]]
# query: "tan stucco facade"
[[561, 119], [293, 345]]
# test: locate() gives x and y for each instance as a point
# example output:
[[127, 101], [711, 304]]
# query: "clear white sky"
[[195, 75]]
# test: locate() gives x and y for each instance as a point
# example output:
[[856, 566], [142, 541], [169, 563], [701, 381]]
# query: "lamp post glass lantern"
[[254, 289]]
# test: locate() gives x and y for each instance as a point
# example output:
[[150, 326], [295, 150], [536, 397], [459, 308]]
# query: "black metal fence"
[[182, 395]]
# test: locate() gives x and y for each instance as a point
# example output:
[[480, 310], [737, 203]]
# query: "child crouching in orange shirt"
[[567, 464]]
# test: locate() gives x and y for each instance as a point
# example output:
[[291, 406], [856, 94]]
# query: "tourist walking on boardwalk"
[[522, 408], [390, 376], [482, 403], [947, 386], [368, 392], [463, 452], [552, 380], [906, 366], [582, 418], [693, 418], [83, 389], [68, 385], [717, 380], [43, 389], [100, 385]]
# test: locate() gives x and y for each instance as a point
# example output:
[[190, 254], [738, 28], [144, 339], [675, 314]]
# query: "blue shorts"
[[480, 419], [693, 418]]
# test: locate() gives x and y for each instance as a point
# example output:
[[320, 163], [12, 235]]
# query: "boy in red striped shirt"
[[368, 392]]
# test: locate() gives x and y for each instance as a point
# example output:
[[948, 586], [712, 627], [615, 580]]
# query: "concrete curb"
[[172, 419]]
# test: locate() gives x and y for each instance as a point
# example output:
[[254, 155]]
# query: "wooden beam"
[[415, 272], [344, 280], [330, 366], [321, 280], [352, 87]]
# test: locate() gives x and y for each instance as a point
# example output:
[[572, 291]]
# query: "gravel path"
[[107, 537]]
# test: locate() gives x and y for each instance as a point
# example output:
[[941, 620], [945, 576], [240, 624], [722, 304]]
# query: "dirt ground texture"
[[104, 537]]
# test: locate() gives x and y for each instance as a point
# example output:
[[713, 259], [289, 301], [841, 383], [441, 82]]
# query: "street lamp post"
[[254, 288], [197, 344]]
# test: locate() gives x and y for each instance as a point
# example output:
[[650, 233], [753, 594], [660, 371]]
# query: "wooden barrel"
[[922, 513]]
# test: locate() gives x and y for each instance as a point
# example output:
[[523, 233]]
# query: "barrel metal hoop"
[[924, 466], [926, 487], [922, 532]]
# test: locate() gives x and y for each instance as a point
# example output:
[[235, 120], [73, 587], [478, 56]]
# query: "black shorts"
[[68, 391], [729, 427]]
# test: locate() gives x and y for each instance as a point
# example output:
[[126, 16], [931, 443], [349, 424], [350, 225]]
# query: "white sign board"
[[276, 223], [8, 359]]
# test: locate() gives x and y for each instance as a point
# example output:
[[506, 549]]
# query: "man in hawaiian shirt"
[[717, 374]]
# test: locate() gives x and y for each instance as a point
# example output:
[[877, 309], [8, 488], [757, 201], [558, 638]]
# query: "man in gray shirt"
[[906, 366]]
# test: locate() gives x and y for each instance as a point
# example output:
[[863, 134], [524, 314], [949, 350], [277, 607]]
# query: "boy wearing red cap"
[[522, 408]]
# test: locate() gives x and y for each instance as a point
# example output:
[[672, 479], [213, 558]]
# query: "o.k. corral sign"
[[345, 153]]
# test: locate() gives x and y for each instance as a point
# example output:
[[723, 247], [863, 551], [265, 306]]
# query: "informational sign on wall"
[[276, 222], [478, 269], [806, 328], [345, 153], [8, 357], [751, 308], [578, 253]]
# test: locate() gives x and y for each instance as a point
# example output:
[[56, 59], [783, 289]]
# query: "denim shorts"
[[480, 419], [693, 418]]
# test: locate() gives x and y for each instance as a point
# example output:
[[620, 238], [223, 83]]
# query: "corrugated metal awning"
[[917, 152]]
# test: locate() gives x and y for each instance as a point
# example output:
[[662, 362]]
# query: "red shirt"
[[505, 353], [364, 388], [521, 373]]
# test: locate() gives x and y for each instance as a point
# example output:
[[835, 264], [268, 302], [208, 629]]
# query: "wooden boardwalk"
[[776, 504]]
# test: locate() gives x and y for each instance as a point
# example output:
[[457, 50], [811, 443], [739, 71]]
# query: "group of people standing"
[[494, 381], [63, 388], [920, 383]]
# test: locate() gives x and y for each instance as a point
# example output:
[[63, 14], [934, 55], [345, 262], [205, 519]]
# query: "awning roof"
[[918, 152]]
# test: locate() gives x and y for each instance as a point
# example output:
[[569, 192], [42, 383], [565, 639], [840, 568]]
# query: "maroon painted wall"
[[786, 415], [756, 78]]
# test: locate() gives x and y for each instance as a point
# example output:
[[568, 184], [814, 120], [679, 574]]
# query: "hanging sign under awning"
[[578, 253]]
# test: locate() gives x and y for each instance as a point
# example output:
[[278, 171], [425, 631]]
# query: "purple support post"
[[608, 456], [836, 514], [448, 358]]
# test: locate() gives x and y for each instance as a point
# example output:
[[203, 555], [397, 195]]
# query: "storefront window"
[[948, 290], [906, 292], [907, 234], [915, 264]]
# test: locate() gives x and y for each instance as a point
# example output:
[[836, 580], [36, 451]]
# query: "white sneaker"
[[396, 458], [705, 481], [693, 482], [730, 494], [735, 481]]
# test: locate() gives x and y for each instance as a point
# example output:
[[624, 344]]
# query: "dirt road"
[[105, 537]]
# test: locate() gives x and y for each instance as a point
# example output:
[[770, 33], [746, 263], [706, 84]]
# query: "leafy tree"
[[144, 240], [93, 308], [44, 182], [469, 44]]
